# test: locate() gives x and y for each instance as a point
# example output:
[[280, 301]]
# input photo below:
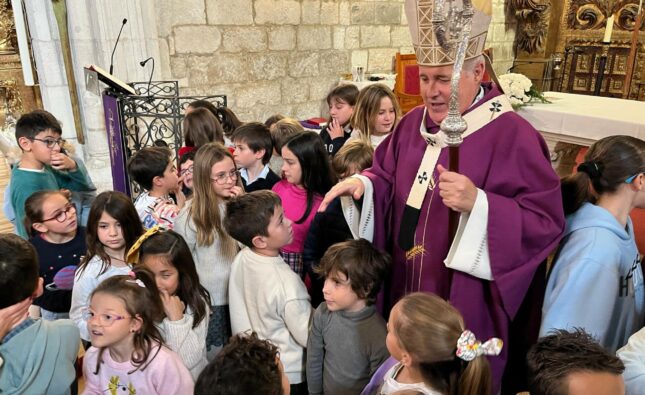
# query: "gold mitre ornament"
[[428, 49]]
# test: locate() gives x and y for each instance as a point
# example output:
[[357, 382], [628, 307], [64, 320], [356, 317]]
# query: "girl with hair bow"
[[431, 351]]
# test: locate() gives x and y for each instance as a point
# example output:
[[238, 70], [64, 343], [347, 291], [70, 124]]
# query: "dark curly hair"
[[554, 357], [246, 365]]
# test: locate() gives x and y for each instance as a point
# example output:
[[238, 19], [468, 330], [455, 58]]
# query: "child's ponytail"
[[476, 378], [450, 359], [608, 164]]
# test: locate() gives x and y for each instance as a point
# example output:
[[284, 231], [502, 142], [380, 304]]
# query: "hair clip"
[[469, 348], [138, 282], [591, 168], [132, 256]]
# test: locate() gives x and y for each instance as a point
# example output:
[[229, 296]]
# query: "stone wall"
[[271, 56], [268, 56], [283, 56]]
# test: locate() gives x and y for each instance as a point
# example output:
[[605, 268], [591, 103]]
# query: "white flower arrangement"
[[520, 90]]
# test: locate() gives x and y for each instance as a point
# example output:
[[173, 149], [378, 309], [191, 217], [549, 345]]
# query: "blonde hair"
[[428, 328], [354, 156], [205, 208], [367, 107], [282, 131]]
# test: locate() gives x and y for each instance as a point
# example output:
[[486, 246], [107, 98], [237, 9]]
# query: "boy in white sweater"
[[265, 295]]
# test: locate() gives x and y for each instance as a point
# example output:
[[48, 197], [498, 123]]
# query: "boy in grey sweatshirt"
[[347, 338]]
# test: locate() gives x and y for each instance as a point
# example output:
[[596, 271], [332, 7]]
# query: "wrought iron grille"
[[154, 116]]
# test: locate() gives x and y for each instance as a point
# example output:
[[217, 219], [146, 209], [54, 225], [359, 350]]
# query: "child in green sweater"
[[43, 164]]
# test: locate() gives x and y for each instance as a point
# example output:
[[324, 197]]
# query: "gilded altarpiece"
[[580, 34], [15, 97]]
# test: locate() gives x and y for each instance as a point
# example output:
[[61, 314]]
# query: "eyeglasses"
[[62, 215], [629, 180], [186, 171], [50, 143], [104, 319], [221, 178]]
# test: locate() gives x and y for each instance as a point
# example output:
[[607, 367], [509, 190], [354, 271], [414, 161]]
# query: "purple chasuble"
[[509, 161]]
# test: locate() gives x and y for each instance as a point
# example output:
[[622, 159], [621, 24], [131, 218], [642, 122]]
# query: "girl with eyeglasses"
[[307, 178], [113, 226], [128, 355], [200, 223], [50, 221], [597, 282]]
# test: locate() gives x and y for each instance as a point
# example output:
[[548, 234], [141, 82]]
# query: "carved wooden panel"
[[582, 26], [584, 68]]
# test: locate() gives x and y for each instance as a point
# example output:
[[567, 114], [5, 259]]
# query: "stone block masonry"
[[289, 52]]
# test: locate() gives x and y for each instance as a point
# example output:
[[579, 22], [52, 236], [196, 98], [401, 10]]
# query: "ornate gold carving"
[[10, 99], [8, 41], [593, 14], [533, 18]]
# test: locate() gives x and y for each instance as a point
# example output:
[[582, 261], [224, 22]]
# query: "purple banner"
[[115, 143]]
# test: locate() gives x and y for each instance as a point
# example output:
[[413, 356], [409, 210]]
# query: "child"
[[347, 337], [265, 295], [341, 101], [632, 355], [252, 153], [50, 218], [307, 177], [43, 165], [112, 228], [331, 226], [571, 363], [273, 119], [423, 333], [200, 127], [375, 115], [596, 282], [186, 163], [281, 131], [215, 180], [185, 301], [153, 169], [37, 357], [127, 353], [229, 122], [256, 361]]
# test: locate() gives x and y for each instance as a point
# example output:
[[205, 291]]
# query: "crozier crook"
[[452, 29]]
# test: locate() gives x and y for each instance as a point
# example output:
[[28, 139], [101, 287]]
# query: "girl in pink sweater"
[[307, 177], [127, 354]]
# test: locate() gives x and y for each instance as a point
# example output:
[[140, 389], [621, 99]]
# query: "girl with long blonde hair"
[[375, 115], [200, 223]]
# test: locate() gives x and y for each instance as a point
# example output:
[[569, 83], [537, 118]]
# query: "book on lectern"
[[111, 81]]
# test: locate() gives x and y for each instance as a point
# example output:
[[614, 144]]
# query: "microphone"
[[125, 20], [143, 64]]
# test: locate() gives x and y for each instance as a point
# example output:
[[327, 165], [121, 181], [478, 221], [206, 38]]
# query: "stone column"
[[93, 28]]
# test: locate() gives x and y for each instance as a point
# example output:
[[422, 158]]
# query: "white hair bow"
[[469, 348]]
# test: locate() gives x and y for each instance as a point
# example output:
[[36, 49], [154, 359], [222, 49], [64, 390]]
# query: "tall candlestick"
[[608, 29]]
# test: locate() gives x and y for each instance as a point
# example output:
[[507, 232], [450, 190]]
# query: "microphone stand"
[[143, 64], [125, 20]]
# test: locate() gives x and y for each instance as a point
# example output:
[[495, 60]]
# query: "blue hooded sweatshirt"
[[596, 282]]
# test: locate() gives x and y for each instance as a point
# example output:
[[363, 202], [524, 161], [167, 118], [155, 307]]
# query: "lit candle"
[[608, 29]]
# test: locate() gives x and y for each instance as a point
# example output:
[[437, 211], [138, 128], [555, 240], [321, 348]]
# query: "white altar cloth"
[[581, 119]]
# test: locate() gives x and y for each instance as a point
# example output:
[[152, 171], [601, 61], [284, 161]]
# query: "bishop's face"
[[435, 88]]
